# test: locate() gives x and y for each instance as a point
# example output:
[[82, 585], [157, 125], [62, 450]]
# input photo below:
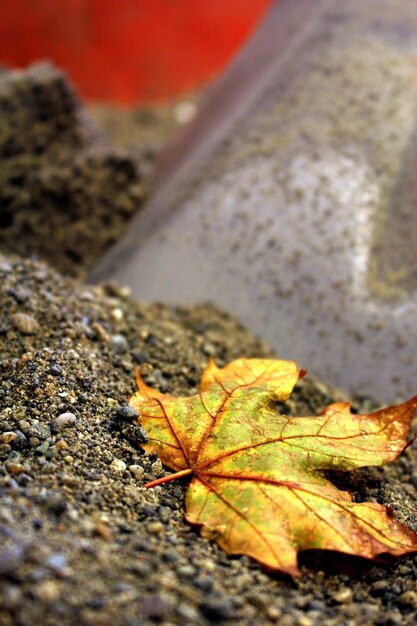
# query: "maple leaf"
[[259, 482]]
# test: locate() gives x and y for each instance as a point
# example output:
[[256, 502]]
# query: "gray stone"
[[65, 420], [11, 557], [119, 344]]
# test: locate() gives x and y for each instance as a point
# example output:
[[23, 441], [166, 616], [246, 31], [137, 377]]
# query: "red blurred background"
[[128, 51]]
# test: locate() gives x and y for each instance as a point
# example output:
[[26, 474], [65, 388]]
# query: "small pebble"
[[21, 440], [408, 598], [304, 620], [378, 587], [119, 343], [117, 465], [20, 294], [57, 562], [141, 569], [24, 426], [141, 434], [187, 612], [42, 448], [48, 591], [65, 420], [7, 437], [117, 314], [70, 481], [24, 323], [139, 357], [55, 369], [155, 607], [170, 340], [146, 369], [103, 530], [273, 613], [126, 413], [343, 596], [12, 597], [14, 468], [5, 268], [208, 565], [56, 502], [11, 558], [39, 430], [101, 332], [24, 479], [258, 599], [137, 471], [186, 570], [155, 528], [165, 514], [217, 607], [157, 467]]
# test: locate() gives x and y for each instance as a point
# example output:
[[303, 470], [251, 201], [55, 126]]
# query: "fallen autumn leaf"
[[259, 485]]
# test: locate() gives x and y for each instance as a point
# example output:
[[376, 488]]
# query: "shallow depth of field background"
[[128, 51]]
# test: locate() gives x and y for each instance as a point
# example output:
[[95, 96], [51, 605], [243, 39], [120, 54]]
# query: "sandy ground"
[[81, 540]]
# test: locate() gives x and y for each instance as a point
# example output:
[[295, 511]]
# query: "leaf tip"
[[145, 391], [138, 378]]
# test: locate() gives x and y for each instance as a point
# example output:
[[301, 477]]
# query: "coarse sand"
[[81, 541]]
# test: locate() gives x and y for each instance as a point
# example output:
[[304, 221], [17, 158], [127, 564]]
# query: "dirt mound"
[[65, 194]]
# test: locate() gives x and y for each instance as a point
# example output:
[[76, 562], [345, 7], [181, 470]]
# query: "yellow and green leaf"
[[259, 483]]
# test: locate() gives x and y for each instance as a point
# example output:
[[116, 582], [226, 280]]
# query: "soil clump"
[[66, 194]]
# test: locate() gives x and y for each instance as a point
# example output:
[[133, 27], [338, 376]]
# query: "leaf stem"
[[166, 479]]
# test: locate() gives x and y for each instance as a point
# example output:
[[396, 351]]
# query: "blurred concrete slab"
[[291, 199]]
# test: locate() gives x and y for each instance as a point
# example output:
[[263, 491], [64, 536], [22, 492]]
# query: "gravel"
[[81, 540]]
